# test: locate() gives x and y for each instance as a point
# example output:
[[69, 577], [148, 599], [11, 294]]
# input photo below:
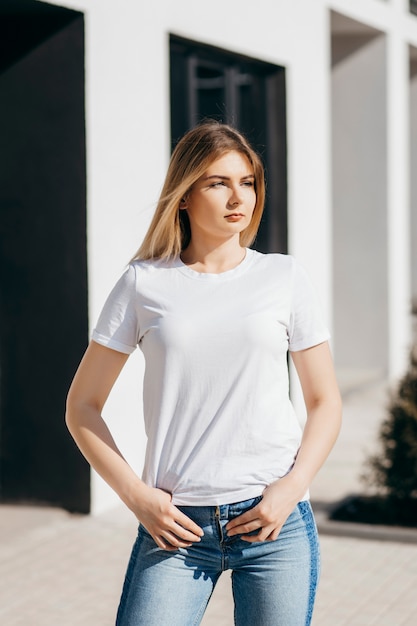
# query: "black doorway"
[[43, 269], [250, 95]]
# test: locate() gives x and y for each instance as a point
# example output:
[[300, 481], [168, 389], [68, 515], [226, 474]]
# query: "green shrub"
[[393, 471]]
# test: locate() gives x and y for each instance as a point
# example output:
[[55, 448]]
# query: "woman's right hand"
[[95, 377], [170, 528]]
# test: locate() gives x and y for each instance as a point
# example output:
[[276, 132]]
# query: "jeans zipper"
[[219, 527]]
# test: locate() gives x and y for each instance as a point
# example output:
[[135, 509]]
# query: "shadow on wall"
[[43, 280], [359, 162]]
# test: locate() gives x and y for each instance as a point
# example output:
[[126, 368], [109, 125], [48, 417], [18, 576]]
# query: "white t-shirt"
[[218, 417]]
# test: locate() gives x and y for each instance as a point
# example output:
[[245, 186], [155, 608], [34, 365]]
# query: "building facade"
[[94, 95]]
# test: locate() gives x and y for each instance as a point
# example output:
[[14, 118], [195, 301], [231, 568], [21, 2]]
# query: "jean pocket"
[[242, 507]]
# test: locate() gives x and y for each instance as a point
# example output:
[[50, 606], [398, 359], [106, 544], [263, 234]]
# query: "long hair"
[[169, 232]]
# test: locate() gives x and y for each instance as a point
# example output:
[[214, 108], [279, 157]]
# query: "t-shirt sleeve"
[[118, 324], [306, 327]]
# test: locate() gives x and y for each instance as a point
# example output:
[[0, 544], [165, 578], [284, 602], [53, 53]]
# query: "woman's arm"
[[324, 412], [89, 391]]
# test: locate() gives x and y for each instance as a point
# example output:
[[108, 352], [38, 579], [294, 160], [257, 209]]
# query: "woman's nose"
[[234, 198]]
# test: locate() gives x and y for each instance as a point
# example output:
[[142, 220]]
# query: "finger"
[[187, 524], [245, 518], [170, 542], [182, 533], [243, 529], [174, 541], [185, 535], [274, 535], [265, 534], [163, 544], [260, 536]]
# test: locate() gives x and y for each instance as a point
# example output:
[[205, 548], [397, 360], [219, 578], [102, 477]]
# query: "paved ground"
[[63, 570]]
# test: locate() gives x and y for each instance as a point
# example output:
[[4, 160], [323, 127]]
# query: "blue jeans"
[[274, 582]]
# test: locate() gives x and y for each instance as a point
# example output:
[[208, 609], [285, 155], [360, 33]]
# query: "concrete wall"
[[359, 149], [127, 63]]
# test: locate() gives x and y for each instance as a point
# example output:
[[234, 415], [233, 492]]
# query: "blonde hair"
[[169, 232]]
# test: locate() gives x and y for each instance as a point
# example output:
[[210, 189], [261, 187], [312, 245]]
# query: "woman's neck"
[[214, 258]]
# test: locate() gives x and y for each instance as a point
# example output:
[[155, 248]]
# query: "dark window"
[[250, 95], [413, 6]]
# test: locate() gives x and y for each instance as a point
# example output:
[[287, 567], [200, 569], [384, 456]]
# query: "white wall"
[[359, 150], [128, 139]]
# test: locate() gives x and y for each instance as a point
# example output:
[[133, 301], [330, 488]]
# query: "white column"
[[399, 275]]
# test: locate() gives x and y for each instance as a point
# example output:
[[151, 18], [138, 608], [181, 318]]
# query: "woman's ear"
[[183, 203]]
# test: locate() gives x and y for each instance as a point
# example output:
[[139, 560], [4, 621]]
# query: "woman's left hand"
[[268, 517], [324, 412]]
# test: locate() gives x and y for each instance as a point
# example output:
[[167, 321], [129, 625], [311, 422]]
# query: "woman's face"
[[221, 203]]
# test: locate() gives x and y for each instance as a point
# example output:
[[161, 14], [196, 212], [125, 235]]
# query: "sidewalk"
[[62, 570]]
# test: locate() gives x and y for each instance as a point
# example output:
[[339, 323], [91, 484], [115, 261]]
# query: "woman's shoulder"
[[144, 266], [154, 272], [276, 261]]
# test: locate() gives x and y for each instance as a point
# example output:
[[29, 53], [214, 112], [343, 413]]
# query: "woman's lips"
[[234, 217]]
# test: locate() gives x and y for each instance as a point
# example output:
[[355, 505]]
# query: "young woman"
[[227, 468]]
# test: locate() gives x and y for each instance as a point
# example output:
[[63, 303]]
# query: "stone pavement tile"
[[220, 608], [364, 409], [409, 621], [58, 569], [69, 570], [365, 582]]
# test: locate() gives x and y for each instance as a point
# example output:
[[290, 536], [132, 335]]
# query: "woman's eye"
[[222, 183]]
